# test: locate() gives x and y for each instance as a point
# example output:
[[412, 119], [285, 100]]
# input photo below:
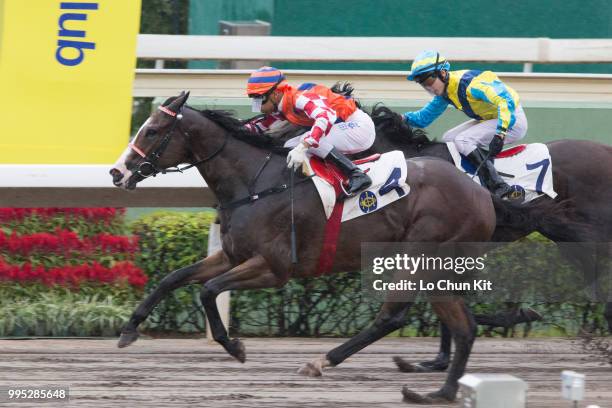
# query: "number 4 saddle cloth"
[[527, 167], [387, 171]]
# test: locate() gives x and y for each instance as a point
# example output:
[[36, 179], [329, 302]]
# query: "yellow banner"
[[66, 75]]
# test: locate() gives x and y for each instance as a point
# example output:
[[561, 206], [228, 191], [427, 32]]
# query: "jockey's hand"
[[297, 156], [496, 145], [250, 127]]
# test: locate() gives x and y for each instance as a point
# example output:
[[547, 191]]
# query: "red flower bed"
[[67, 246], [74, 275], [96, 214], [64, 241]]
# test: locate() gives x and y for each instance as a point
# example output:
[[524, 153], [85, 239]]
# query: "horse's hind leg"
[[201, 271], [252, 274], [515, 315], [391, 317], [512, 316], [463, 328], [440, 363]]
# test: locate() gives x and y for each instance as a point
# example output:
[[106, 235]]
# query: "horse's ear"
[[180, 100]]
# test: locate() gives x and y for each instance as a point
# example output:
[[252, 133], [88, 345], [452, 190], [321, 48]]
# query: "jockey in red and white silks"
[[337, 125]]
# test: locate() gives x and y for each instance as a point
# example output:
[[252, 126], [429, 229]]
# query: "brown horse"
[[250, 182], [394, 134], [582, 174]]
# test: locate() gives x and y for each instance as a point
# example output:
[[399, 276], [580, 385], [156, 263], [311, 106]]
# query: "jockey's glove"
[[297, 156]]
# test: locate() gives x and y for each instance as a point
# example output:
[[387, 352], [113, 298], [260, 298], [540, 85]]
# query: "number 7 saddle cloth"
[[527, 166]]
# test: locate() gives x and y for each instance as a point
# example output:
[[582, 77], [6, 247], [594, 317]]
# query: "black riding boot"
[[358, 180], [492, 181]]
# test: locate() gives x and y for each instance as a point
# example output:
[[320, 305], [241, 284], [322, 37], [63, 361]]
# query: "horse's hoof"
[[442, 396], [412, 397], [127, 338], [311, 370], [424, 367], [438, 397], [237, 350], [433, 366], [403, 365]]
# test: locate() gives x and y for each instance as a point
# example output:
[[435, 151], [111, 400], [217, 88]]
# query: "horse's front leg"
[[254, 273], [201, 271]]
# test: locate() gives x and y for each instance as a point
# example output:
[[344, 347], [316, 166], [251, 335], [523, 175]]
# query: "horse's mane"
[[235, 127], [388, 123], [226, 120], [345, 89], [392, 126]]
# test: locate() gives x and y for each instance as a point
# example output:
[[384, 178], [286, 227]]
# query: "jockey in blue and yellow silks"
[[494, 108]]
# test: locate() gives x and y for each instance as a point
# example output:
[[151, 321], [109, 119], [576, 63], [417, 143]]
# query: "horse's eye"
[[151, 132]]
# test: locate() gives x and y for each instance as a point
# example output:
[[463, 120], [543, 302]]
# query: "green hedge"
[[169, 241]]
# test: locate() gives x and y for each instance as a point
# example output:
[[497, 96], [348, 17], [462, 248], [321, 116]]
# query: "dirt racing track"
[[194, 373]]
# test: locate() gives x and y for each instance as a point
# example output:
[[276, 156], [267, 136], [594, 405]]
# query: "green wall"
[[440, 18], [410, 18], [204, 17]]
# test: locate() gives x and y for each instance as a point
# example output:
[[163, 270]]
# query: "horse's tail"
[[553, 219]]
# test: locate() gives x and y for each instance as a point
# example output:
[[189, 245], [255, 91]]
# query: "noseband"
[[148, 166]]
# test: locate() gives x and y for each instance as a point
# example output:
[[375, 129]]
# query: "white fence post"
[[223, 300]]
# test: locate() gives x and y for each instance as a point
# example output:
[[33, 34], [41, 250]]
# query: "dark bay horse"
[[443, 206], [582, 174]]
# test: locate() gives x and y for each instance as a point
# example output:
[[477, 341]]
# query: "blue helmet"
[[428, 61]]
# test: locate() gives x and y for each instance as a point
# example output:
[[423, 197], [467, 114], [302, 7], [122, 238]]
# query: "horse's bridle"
[[148, 165], [149, 162]]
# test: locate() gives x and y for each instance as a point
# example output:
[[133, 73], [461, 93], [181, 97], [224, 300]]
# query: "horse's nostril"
[[116, 174]]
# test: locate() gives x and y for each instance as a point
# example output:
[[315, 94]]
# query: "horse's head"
[[160, 143]]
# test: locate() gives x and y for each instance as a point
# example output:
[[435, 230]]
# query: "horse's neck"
[[232, 171], [436, 149]]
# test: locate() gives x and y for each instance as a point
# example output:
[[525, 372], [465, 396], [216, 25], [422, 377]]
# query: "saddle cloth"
[[387, 171], [527, 166]]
